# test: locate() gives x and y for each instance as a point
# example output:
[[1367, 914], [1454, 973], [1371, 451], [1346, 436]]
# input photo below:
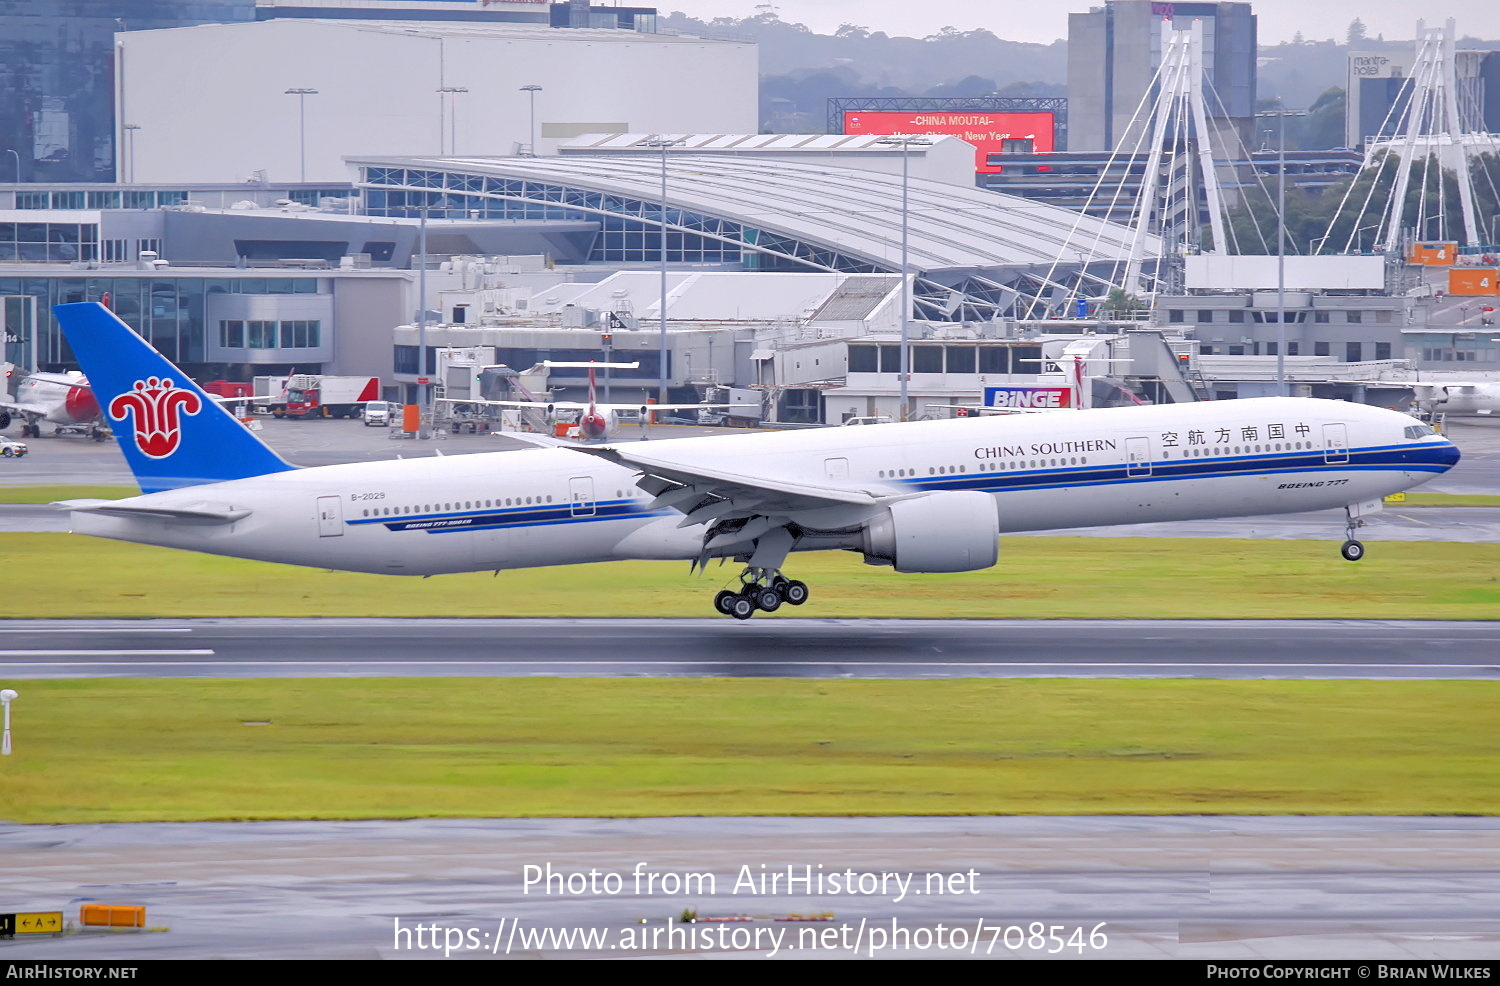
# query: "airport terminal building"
[[976, 255]]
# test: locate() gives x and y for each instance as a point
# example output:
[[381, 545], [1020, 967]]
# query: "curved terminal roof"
[[856, 212]]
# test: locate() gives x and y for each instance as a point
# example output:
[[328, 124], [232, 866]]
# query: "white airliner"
[[1460, 398], [596, 421], [61, 399], [930, 496]]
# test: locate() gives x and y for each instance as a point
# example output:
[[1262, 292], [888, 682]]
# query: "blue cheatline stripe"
[[1385, 458], [496, 518]]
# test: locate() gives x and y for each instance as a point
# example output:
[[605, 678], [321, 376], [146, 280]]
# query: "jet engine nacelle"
[[956, 531]]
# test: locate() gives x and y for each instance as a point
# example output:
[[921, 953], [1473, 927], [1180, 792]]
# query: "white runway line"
[[1070, 665], [96, 629], [101, 653]]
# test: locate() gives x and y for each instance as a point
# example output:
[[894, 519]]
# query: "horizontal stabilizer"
[[199, 512]]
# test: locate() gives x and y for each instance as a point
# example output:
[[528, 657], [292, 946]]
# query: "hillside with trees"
[[801, 70]]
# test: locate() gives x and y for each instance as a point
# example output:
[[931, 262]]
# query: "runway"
[[1223, 888], [294, 648]]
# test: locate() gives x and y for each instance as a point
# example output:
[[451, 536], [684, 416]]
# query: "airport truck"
[[316, 395], [746, 413]]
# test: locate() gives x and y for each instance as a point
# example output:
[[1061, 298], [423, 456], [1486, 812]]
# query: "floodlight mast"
[[905, 142]]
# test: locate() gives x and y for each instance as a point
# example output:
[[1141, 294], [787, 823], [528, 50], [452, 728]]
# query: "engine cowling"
[[956, 531]]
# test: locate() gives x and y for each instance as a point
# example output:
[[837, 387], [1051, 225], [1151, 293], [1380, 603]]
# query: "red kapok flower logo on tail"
[[156, 407]]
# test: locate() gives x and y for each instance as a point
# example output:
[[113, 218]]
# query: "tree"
[[1323, 127], [1118, 304], [1356, 32]]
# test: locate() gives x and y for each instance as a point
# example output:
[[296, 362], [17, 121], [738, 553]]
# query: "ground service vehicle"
[[317, 395]]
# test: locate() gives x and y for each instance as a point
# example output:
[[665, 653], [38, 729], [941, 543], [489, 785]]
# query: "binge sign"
[[1041, 398]]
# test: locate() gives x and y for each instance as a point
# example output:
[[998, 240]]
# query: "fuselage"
[[65, 396], [1481, 399], [1063, 469]]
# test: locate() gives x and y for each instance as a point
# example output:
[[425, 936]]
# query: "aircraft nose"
[[1448, 455]]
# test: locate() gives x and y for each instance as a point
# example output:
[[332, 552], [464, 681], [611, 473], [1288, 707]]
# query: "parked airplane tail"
[[171, 432]]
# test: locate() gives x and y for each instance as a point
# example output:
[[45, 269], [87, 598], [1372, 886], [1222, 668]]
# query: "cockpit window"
[[1418, 431]]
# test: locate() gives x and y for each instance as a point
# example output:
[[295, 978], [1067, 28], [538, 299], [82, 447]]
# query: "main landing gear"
[[760, 589], [1352, 550]]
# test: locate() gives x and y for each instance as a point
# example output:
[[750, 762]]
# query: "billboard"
[[1040, 398], [987, 131], [1220, 272]]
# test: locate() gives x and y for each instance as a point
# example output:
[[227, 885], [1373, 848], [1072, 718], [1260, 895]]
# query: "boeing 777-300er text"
[[928, 496]]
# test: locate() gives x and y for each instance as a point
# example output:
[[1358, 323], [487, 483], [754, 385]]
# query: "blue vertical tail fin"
[[171, 432]]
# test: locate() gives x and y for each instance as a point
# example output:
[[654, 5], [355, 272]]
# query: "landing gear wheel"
[[724, 601], [767, 599], [1352, 550], [794, 592], [742, 608]]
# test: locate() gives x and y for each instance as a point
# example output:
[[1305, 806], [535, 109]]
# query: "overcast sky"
[[1045, 21]]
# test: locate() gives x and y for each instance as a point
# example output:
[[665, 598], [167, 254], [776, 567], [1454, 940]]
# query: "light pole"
[[663, 143], [302, 95], [12, 152], [905, 142], [531, 91], [452, 92], [1281, 113], [130, 129], [422, 323], [422, 388], [1281, 390]]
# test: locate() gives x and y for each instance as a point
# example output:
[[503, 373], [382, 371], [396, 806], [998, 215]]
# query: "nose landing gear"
[[760, 589], [1351, 549]]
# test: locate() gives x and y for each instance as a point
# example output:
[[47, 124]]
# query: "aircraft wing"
[[676, 407], [703, 494], [986, 409], [564, 405], [240, 400], [25, 408]]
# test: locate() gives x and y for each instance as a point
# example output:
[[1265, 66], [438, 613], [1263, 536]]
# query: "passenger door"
[[330, 516], [1336, 443], [1137, 456], [581, 496]]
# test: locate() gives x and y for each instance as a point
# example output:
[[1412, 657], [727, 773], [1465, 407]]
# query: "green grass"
[[74, 576], [177, 750], [46, 494]]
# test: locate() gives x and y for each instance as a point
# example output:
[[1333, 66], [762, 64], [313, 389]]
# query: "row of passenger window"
[[1204, 452], [1240, 449], [510, 501]]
